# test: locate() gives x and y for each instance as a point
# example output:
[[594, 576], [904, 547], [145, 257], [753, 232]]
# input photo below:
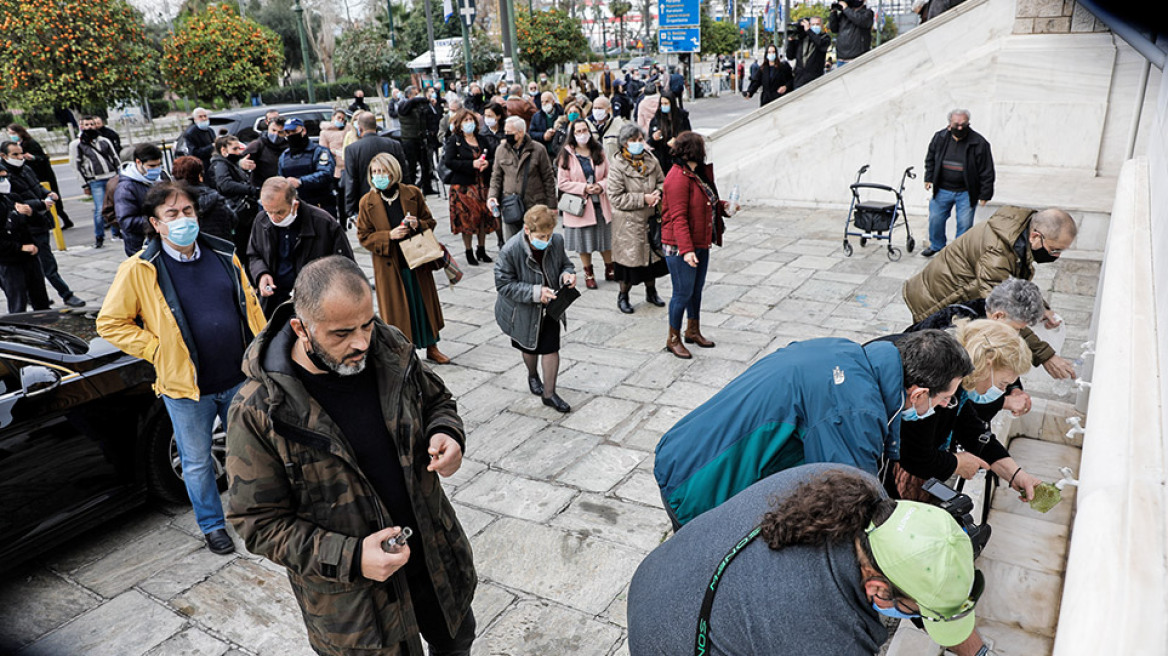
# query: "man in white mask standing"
[[288, 234]]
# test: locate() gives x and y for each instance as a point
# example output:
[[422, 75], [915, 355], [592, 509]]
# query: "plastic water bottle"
[[733, 204], [1064, 386]]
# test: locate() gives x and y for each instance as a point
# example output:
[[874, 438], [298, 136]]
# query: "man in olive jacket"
[[334, 444], [1009, 244], [517, 155]]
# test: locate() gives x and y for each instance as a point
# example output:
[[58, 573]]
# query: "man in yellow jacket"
[[184, 305]]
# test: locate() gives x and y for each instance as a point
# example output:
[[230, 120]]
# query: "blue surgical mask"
[[893, 612], [203, 125], [771, 56], [817, 28], [573, 116], [539, 244], [991, 395], [182, 232], [665, 109], [272, 136], [14, 137], [468, 127], [153, 174], [380, 180], [635, 147], [339, 124], [911, 414]]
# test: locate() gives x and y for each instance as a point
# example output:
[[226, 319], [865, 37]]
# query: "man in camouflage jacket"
[[301, 497]]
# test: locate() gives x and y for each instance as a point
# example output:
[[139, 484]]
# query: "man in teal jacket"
[[823, 400]]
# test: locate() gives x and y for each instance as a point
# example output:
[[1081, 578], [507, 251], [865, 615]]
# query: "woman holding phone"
[[389, 213]]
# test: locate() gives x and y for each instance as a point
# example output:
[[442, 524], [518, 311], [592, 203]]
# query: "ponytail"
[[836, 506]]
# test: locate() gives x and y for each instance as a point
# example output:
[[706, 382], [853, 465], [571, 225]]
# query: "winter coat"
[[458, 156], [809, 52], [215, 217], [41, 164], [14, 234], [358, 155], [771, 79], [319, 235], [519, 280], [27, 189], [820, 400], [979, 164], [200, 143], [266, 155], [373, 232], [232, 182], [142, 315], [973, 264], [299, 499], [94, 160], [129, 199], [689, 220], [313, 166], [660, 147], [611, 131], [333, 138], [521, 107], [505, 180], [853, 29], [541, 123], [571, 180], [630, 215], [412, 118]]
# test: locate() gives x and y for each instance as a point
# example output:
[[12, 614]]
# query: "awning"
[[443, 54]]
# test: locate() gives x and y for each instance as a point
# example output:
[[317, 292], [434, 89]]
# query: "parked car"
[[497, 76], [248, 123], [83, 438], [642, 64]]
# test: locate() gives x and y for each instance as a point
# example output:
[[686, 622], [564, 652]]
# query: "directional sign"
[[682, 39], [467, 9], [678, 13]]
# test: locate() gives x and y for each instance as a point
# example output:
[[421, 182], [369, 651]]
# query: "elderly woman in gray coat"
[[530, 269], [635, 182]]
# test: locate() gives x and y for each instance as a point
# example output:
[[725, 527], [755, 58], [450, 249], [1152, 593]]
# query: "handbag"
[[421, 249], [655, 235], [513, 208], [571, 204], [448, 265]]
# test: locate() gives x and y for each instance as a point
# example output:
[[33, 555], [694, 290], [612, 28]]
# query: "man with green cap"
[[805, 562]]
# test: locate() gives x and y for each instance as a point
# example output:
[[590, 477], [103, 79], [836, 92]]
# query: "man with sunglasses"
[[1010, 244], [806, 561]]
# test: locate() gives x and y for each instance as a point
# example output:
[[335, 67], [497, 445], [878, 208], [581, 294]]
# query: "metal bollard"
[[58, 235]]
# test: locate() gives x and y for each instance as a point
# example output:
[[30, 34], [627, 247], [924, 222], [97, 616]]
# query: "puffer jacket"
[[518, 278], [142, 316], [630, 215], [298, 498], [973, 264]]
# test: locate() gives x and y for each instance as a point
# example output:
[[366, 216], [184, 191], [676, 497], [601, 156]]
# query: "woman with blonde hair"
[[928, 444], [389, 213]]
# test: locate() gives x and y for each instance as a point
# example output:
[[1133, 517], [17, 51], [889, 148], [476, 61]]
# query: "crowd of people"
[[241, 254]]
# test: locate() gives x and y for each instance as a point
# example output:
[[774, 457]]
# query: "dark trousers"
[[687, 286], [49, 264], [432, 623], [24, 283], [417, 155]]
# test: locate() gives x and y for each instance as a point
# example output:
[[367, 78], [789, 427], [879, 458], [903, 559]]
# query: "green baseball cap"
[[924, 552]]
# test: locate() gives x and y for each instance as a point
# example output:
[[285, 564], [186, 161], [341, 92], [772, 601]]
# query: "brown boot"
[[675, 346], [693, 334], [589, 278], [610, 272], [436, 356]]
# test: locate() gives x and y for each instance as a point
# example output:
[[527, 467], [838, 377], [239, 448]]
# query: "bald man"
[[1009, 244]]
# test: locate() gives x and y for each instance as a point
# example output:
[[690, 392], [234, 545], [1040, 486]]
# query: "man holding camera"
[[852, 23], [807, 47]]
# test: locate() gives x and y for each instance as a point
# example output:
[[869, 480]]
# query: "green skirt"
[[423, 334]]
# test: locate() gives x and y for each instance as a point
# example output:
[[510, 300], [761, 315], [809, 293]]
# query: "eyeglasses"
[[1052, 251], [966, 608]]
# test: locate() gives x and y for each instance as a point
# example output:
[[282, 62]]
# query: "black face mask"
[[510, 138], [960, 132], [298, 141], [90, 134], [1043, 256], [234, 158]]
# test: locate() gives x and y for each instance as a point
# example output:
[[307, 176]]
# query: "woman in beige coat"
[[635, 182]]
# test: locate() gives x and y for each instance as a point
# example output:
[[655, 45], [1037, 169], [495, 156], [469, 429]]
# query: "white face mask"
[[599, 114], [582, 139], [548, 108], [5, 185], [18, 162], [288, 220], [490, 121]]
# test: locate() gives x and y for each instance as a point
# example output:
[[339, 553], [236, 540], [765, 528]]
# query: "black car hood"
[[66, 335]]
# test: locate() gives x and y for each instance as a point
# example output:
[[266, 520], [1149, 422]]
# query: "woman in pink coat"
[[582, 171]]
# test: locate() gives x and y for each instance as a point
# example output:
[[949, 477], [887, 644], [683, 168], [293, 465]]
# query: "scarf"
[[636, 161]]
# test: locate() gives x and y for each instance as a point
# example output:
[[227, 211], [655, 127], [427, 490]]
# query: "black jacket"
[[109, 133], [809, 51], [853, 29], [229, 179], [357, 157], [320, 235], [412, 116], [459, 157], [266, 155], [770, 79], [200, 143], [979, 164], [14, 233], [660, 147], [215, 217], [27, 189]]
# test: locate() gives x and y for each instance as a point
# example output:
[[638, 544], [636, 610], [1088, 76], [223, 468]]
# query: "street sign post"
[[466, 11], [680, 39], [678, 13]]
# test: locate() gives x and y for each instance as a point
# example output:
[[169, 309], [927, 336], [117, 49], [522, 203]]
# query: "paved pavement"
[[560, 509]]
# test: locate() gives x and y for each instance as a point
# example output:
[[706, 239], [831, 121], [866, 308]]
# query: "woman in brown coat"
[[390, 212], [635, 183]]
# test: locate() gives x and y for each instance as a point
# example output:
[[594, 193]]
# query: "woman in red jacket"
[[692, 220]]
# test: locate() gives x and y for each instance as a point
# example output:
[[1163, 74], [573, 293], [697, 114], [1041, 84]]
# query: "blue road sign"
[[682, 39], [678, 13]]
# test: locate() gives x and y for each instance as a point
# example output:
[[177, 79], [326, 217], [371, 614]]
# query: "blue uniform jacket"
[[314, 167], [822, 400]]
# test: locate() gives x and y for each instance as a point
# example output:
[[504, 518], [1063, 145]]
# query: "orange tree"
[[548, 39], [72, 53], [217, 52]]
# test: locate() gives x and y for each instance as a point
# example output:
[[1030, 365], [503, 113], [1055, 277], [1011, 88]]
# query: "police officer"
[[308, 168]]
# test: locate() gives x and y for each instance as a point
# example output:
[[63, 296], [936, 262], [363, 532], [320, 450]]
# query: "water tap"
[[1088, 348], [1067, 479], [1077, 429]]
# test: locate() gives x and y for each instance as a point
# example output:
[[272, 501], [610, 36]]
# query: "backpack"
[[108, 212]]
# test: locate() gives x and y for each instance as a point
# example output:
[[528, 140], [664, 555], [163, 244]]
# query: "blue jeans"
[[193, 421], [687, 286], [97, 189], [939, 208]]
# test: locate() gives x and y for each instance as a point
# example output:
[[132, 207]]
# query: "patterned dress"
[[469, 214]]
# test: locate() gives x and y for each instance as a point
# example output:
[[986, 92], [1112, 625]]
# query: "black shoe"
[[219, 542], [622, 302], [481, 253], [74, 302], [928, 252], [652, 297], [99, 242], [470, 258], [429, 192], [556, 402], [535, 385], [65, 225]]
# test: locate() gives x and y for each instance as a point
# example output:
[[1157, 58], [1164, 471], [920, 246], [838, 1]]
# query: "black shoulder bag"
[[513, 205]]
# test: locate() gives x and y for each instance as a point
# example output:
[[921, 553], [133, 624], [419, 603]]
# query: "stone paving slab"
[[560, 508]]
